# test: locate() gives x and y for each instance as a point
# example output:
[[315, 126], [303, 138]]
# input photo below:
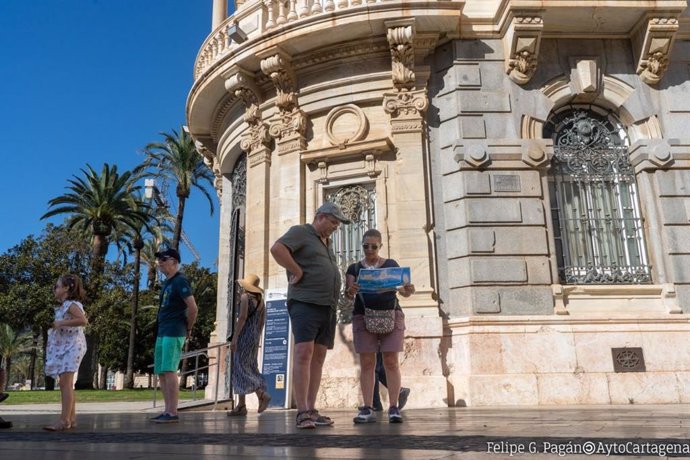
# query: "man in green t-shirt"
[[176, 316]]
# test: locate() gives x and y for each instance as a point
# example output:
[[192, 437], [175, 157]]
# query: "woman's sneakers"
[[394, 415], [366, 415]]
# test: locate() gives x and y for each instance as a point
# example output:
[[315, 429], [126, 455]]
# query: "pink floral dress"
[[66, 345]]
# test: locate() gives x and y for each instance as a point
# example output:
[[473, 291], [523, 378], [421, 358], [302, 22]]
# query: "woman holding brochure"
[[367, 343]]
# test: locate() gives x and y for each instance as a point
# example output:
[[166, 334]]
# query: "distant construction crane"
[[151, 191]]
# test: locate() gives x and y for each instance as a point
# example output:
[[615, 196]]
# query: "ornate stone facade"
[[530, 164]]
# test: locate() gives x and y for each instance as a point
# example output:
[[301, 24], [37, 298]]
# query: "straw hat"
[[250, 283]]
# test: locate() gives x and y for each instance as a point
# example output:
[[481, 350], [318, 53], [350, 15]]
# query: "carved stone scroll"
[[522, 41], [654, 44], [401, 40]]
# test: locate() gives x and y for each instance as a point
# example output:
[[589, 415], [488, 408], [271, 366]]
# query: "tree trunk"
[[176, 243], [151, 277], [129, 375], [5, 373], [177, 234]]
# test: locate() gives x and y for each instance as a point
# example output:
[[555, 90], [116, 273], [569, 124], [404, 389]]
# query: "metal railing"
[[196, 354]]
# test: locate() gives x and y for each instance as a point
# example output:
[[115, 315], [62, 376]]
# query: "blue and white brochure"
[[378, 280]]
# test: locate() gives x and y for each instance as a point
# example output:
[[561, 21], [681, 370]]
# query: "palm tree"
[[11, 345], [97, 204], [176, 161]]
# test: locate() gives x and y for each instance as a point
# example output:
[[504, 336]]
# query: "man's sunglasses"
[[371, 246], [164, 259]]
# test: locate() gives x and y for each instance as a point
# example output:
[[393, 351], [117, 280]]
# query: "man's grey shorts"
[[312, 323]]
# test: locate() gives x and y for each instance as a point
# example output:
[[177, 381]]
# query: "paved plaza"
[[122, 431]]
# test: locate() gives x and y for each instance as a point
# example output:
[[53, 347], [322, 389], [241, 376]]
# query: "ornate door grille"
[[238, 178], [595, 207], [358, 203]]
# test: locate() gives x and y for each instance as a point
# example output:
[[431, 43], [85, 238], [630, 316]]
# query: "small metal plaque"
[[628, 360], [506, 183]]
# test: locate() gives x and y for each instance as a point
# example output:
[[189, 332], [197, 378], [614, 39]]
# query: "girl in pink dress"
[[66, 345]]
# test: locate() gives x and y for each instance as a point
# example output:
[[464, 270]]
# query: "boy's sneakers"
[[167, 418], [402, 398], [366, 415], [394, 415], [154, 418]]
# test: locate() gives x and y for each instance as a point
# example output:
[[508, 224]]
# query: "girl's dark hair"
[[75, 288], [372, 232]]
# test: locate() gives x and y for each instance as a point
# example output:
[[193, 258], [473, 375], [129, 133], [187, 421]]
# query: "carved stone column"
[[409, 226], [288, 127], [220, 13], [256, 142]]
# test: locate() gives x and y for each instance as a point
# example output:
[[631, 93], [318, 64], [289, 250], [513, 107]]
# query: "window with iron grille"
[[595, 208], [358, 203]]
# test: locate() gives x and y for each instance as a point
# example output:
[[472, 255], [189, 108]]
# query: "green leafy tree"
[[28, 272], [177, 162]]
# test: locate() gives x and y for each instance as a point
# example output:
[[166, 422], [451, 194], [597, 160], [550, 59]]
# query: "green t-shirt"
[[172, 313], [321, 281]]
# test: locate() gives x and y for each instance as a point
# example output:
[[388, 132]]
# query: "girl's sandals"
[[264, 399], [304, 420], [239, 411], [58, 427]]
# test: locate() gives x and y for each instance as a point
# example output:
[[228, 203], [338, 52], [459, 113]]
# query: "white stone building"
[[529, 160]]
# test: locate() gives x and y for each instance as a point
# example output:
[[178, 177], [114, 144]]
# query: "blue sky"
[[92, 81]]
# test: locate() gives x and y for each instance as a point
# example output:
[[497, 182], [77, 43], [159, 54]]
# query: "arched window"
[[594, 204]]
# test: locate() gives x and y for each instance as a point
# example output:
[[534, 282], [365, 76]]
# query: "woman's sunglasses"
[[371, 246]]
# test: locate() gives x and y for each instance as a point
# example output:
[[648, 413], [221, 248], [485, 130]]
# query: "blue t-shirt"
[[383, 301], [172, 313]]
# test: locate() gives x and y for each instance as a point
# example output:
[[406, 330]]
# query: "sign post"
[[277, 349]]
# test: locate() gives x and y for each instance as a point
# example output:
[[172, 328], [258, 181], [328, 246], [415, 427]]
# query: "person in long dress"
[[66, 346], [246, 377]]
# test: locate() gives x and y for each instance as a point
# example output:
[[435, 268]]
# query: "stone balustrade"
[[258, 18]]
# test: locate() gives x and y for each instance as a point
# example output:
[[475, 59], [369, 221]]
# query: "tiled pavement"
[[122, 431]]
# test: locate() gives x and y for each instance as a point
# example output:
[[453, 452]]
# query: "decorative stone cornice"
[[289, 125], [522, 41], [400, 37], [653, 46], [256, 140], [406, 109]]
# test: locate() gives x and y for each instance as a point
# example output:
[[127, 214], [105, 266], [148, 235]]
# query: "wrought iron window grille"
[[595, 207]]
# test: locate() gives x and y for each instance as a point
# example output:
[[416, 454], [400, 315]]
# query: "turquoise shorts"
[[166, 355]]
